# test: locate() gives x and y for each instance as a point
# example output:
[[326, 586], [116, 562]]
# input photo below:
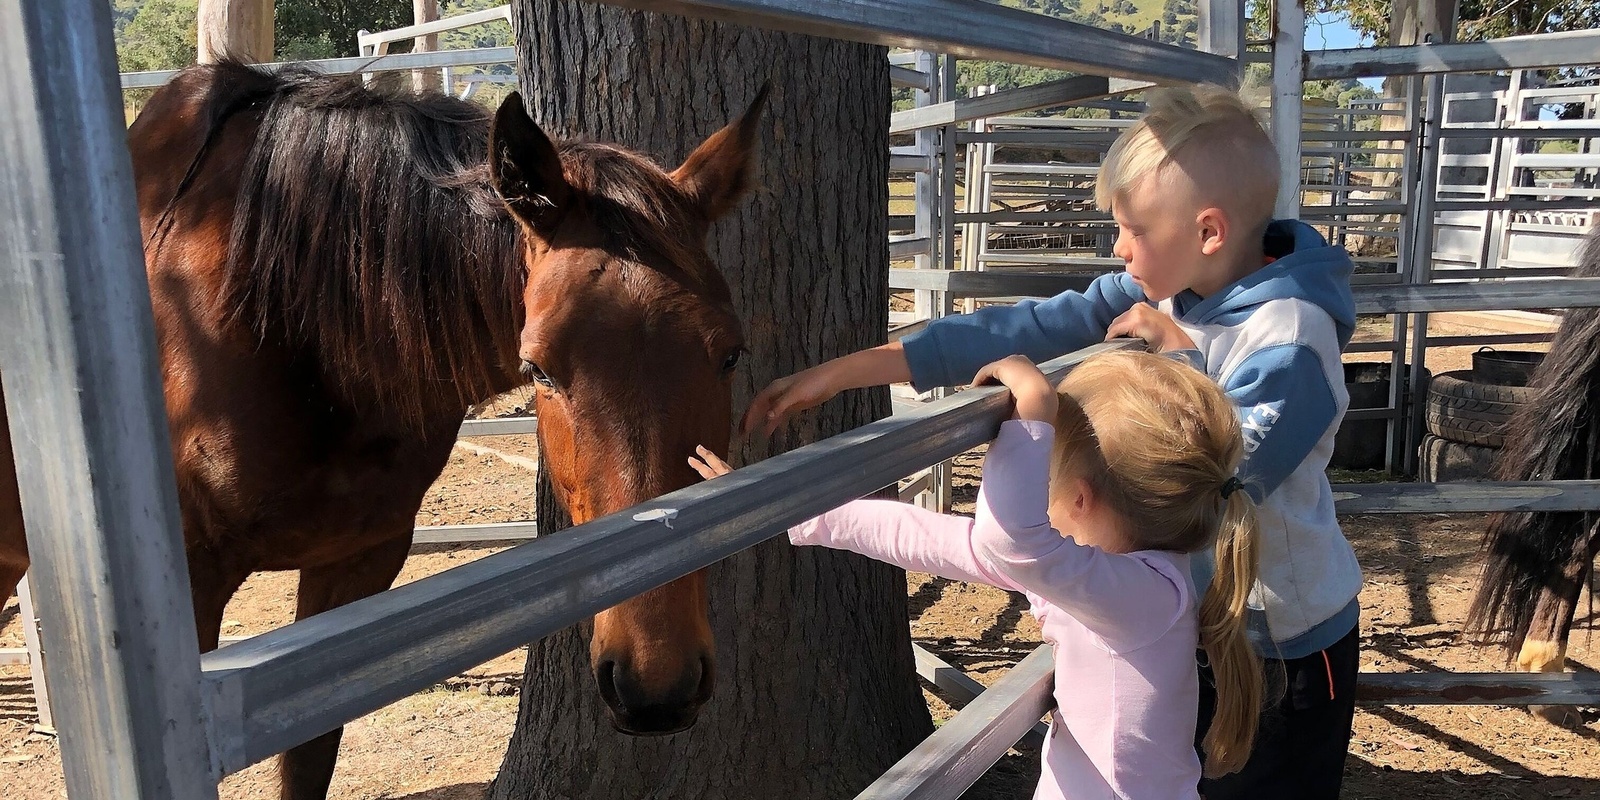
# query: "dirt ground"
[[446, 743]]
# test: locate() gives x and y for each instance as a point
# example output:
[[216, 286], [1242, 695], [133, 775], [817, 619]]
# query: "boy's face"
[[1158, 239]]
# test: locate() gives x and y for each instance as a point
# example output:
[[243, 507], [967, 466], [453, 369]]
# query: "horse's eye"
[[732, 361], [532, 372]]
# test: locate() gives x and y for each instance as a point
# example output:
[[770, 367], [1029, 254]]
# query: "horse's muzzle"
[[640, 713]]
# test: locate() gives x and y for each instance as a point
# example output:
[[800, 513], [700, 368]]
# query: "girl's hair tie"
[[1230, 486]]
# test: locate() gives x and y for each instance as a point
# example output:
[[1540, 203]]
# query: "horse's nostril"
[[606, 676], [702, 692]]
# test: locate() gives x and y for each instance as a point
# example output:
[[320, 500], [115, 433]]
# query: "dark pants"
[[1305, 731]]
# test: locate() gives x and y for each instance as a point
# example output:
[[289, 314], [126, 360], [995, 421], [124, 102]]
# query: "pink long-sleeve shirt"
[[1124, 626]]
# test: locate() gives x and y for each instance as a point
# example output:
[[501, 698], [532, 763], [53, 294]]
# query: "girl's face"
[[1077, 512]]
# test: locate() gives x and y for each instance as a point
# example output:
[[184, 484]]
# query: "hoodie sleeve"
[[1285, 407], [952, 349]]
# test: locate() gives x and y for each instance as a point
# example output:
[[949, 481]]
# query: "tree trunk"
[[425, 79], [240, 28], [815, 693]]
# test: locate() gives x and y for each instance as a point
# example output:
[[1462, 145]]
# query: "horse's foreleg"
[[211, 586], [1544, 649], [307, 769], [10, 575]]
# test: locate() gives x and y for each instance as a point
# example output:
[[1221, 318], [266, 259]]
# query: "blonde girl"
[[1092, 499]]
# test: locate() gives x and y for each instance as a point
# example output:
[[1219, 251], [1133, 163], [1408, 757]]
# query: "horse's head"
[[631, 340]]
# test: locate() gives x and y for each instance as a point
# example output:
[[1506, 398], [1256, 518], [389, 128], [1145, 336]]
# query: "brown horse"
[[338, 271]]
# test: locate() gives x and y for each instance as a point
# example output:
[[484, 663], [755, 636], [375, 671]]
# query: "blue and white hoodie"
[[1273, 342]]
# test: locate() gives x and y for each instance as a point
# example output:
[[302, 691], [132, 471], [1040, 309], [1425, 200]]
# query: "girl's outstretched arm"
[[897, 533]]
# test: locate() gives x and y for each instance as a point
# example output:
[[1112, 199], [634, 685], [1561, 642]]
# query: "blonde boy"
[[1264, 308]]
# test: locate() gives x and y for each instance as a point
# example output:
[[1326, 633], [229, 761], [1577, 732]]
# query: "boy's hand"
[[708, 465], [1146, 322], [811, 388], [785, 397], [1035, 398]]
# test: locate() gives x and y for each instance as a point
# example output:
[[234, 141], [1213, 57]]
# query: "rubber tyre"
[[1441, 461], [1464, 411]]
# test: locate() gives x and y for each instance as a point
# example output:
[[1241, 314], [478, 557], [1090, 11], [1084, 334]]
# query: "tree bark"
[[815, 693], [240, 28], [425, 79]]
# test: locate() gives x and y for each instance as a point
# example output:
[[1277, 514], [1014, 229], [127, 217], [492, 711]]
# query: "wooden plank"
[[965, 29], [1010, 101], [89, 422], [1462, 498], [273, 690], [1537, 51], [964, 689], [964, 748], [1478, 688]]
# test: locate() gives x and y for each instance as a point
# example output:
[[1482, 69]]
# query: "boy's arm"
[[1285, 406], [952, 349]]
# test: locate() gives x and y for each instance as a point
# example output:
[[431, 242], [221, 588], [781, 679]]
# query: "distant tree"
[[156, 34], [308, 29]]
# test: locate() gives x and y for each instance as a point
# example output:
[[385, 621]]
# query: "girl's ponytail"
[[1234, 663]]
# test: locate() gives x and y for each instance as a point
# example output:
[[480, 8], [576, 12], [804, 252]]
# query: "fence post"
[[79, 361], [1288, 72], [30, 637]]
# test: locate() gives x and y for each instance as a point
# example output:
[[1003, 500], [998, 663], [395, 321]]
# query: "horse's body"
[[1538, 563], [334, 280]]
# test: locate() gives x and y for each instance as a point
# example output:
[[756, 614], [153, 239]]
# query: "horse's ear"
[[525, 169], [722, 168]]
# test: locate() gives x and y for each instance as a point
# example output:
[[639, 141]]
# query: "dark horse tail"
[[365, 237], [1541, 560]]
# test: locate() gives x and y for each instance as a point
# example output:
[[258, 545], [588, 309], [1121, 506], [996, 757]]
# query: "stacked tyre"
[[1467, 414]]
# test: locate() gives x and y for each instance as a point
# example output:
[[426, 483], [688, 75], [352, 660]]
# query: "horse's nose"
[[640, 711]]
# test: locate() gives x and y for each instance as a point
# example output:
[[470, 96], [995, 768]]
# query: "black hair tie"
[[1230, 486]]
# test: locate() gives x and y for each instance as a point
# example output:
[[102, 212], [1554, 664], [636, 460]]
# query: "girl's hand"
[[1031, 391], [1158, 330], [708, 465]]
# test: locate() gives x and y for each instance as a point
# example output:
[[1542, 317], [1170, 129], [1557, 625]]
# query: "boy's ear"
[[1212, 223]]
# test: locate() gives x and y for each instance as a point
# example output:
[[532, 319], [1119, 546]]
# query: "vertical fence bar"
[[89, 423], [1288, 73], [1221, 30], [30, 639], [1422, 241], [1403, 440]]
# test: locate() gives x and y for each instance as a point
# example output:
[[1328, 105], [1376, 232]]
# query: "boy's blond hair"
[[1207, 133]]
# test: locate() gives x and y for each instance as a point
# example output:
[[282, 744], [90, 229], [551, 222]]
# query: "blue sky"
[[1333, 31]]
